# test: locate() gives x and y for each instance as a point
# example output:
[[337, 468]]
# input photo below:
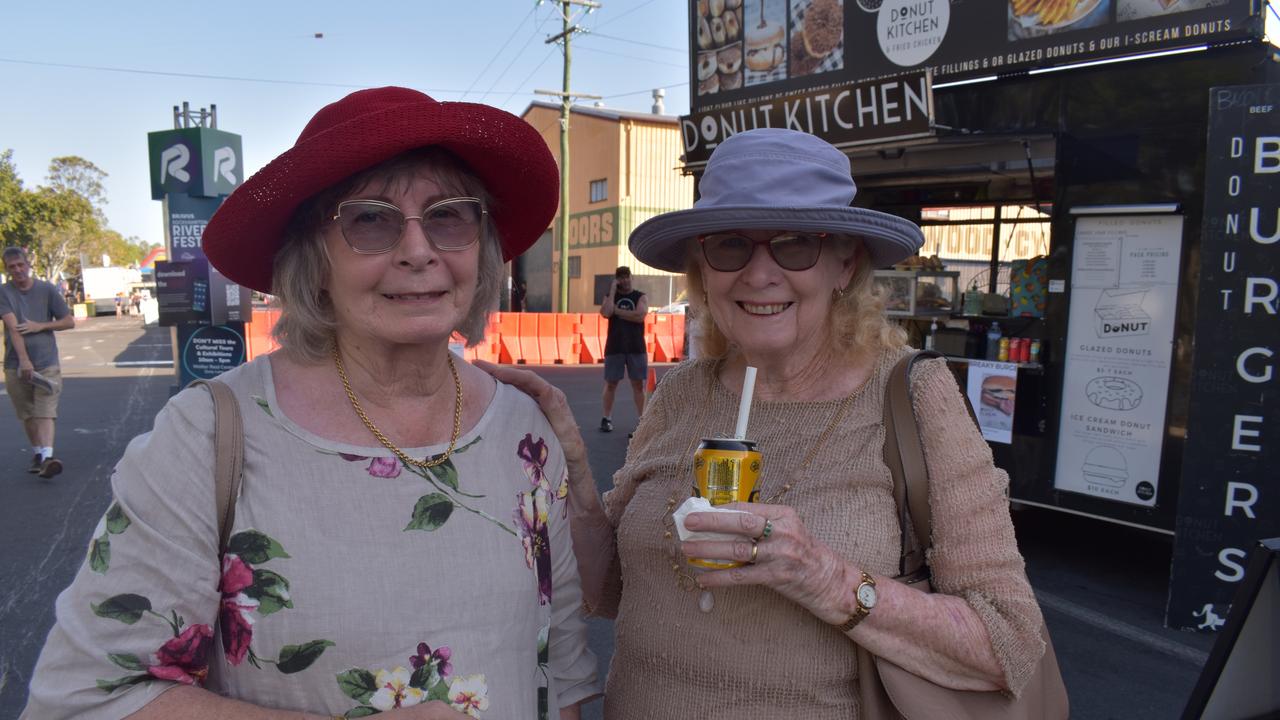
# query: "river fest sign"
[[1230, 493], [859, 71]]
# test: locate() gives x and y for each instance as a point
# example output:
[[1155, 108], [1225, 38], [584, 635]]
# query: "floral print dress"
[[352, 584]]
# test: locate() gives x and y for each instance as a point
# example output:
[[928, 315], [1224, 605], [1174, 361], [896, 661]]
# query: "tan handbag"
[[887, 691], [228, 457]]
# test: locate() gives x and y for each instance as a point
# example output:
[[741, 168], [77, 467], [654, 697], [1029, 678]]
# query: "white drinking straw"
[[744, 406]]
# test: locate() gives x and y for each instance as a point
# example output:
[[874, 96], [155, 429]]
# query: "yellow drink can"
[[725, 471]]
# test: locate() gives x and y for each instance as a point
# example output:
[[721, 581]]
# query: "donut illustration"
[[1114, 393]]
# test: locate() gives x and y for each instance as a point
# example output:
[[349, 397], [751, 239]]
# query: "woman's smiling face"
[[772, 313], [411, 293]]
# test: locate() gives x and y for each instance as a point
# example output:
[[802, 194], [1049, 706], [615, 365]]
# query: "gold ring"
[[768, 529], [755, 550]]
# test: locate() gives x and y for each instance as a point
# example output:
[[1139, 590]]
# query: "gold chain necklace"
[[404, 458]]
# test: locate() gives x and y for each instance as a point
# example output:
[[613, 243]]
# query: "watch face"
[[867, 595]]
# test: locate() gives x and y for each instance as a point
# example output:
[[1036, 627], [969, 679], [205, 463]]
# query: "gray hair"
[[14, 251], [857, 323], [307, 323]]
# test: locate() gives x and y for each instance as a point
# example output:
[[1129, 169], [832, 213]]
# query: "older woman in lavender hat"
[[780, 267], [399, 545]]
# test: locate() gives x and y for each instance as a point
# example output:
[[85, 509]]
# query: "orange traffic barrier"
[[525, 338], [528, 338], [677, 336], [548, 350], [664, 349], [594, 332], [258, 338], [508, 337], [568, 338]]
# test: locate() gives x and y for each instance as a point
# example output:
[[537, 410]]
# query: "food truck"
[[1063, 158]]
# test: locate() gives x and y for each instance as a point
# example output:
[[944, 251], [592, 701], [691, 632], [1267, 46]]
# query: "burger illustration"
[[765, 49], [999, 391], [1104, 465]]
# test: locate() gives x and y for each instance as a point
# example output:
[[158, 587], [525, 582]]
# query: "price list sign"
[[1229, 493]]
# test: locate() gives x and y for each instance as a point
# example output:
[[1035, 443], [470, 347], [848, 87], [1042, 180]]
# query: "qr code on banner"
[[817, 37]]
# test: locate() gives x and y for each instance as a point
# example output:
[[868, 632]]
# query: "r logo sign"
[[224, 162], [173, 163]]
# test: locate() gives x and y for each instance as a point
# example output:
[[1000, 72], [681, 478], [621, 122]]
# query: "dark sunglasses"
[[372, 226], [730, 252]]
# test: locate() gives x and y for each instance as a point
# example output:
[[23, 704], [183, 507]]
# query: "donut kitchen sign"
[[742, 50], [1230, 493], [866, 112]]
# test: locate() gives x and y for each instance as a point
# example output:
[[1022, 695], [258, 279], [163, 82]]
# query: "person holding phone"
[[624, 350]]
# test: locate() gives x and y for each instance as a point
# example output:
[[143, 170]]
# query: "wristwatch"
[[865, 596]]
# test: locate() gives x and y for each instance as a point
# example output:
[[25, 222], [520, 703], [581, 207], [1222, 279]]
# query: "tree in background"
[[60, 222]]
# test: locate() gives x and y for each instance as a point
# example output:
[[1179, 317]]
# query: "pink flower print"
[[534, 454], [236, 621], [185, 658], [236, 575], [438, 657], [384, 467], [531, 519]]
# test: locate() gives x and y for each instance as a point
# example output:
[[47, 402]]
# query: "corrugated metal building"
[[624, 168]]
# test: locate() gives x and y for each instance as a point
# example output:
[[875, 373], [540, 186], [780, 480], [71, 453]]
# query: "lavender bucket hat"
[[775, 179]]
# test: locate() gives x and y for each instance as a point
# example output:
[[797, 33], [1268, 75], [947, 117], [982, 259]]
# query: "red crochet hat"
[[366, 128]]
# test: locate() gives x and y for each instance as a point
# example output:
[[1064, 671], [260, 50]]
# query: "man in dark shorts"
[[32, 310], [624, 349]]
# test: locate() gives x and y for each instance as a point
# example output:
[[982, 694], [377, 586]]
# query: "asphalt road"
[[1102, 586]]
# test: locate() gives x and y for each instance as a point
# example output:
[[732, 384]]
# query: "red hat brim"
[[504, 151]]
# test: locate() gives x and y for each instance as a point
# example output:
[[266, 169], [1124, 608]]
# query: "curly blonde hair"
[[857, 323], [307, 322]]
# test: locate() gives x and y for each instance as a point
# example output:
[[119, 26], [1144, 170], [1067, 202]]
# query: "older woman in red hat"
[[780, 272], [400, 542]]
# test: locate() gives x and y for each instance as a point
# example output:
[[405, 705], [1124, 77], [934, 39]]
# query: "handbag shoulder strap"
[[904, 454], [228, 459]]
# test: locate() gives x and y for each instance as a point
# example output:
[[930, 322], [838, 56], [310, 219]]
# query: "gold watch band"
[[860, 612]]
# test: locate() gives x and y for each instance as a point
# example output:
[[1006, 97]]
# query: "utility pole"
[[566, 99]]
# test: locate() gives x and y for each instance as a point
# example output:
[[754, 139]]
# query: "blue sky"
[[93, 78], [220, 49]]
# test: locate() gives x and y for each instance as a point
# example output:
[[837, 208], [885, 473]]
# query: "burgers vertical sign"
[[1229, 493]]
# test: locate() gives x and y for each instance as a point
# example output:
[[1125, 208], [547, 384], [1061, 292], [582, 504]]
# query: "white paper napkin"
[[694, 505]]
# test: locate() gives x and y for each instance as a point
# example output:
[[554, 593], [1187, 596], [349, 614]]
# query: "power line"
[[197, 76], [523, 82], [519, 52], [646, 91], [592, 33], [619, 17], [633, 57], [505, 44]]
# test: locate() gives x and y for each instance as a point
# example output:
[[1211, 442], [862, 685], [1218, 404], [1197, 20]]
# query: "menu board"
[[741, 49], [1124, 285]]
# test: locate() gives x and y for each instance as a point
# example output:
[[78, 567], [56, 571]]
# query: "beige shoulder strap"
[[228, 459], [904, 454]]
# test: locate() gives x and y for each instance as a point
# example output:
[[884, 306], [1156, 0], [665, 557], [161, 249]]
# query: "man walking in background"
[[624, 349], [32, 310]]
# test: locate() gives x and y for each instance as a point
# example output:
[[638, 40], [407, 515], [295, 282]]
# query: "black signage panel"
[[182, 292], [187, 218], [843, 115], [742, 49], [228, 302], [207, 351], [1230, 491]]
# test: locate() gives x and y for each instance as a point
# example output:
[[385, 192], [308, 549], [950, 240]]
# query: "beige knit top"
[[756, 654]]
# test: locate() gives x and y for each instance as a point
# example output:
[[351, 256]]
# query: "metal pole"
[[565, 100]]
